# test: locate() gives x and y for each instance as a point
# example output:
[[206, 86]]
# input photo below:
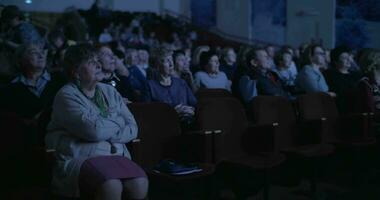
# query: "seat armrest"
[[260, 138], [309, 131], [201, 145], [134, 148], [354, 125]]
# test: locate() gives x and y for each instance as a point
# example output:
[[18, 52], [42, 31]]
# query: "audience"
[[90, 123], [89, 128]]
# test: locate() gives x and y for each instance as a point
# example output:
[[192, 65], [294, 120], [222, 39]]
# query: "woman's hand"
[[127, 101], [184, 110], [332, 94]]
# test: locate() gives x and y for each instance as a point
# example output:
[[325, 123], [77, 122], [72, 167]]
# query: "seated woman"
[[211, 77], [115, 73], [34, 88], [369, 86], [228, 62], [340, 79], [181, 68], [89, 128], [286, 72], [310, 78], [139, 75], [171, 90]]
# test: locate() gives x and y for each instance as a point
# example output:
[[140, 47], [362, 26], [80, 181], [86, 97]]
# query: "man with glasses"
[[310, 78]]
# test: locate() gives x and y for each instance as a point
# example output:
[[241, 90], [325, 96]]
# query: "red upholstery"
[[159, 127], [239, 139], [345, 129], [212, 93], [161, 138]]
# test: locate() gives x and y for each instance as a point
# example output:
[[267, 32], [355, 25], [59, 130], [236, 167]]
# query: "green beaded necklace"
[[99, 100]]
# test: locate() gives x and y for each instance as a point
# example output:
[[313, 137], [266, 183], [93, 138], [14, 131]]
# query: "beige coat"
[[77, 132]]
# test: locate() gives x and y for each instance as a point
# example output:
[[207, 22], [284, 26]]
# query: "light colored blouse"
[[219, 80], [311, 80]]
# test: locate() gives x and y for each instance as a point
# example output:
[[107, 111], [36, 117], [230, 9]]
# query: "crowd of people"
[[89, 72]]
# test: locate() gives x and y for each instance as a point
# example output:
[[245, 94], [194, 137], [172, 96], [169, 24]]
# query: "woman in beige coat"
[[89, 128]]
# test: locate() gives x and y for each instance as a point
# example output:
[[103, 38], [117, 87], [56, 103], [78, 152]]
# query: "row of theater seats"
[[260, 136], [274, 130]]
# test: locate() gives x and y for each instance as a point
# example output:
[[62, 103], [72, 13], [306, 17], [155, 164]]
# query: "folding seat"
[[240, 146], [22, 162], [349, 132], [159, 138], [349, 129], [299, 140]]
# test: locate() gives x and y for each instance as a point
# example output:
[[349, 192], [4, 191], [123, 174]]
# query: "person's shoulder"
[[133, 68], [200, 74], [106, 87], [222, 74], [67, 89], [152, 82], [26, 26], [307, 70], [180, 81]]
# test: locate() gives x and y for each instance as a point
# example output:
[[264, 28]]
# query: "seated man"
[[258, 79], [31, 92], [310, 78], [34, 88]]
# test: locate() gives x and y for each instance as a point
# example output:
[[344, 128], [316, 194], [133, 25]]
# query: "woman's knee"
[[136, 188], [112, 188]]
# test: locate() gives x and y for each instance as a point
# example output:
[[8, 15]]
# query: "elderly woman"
[[115, 73], [211, 77], [89, 128], [171, 90]]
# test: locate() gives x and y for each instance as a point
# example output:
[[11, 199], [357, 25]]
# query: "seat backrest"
[[228, 115], [316, 106], [266, 110], [159, 127], [212, 93]]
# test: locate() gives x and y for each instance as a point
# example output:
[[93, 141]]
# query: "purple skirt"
[[95, 171]]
